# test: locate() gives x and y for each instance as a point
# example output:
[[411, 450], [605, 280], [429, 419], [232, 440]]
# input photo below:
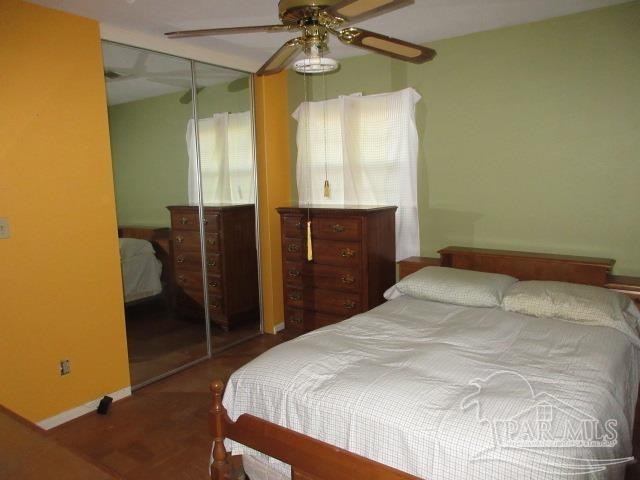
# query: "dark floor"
[[161, 431], [160, 341]]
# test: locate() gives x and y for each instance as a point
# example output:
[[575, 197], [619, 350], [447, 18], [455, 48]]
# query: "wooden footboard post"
[[222, 467]]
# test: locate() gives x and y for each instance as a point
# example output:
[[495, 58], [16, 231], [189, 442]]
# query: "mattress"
[[141, 269], [449, 392]]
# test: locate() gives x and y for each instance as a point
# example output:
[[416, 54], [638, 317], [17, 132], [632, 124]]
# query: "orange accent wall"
[[272, 149], [60, 287]]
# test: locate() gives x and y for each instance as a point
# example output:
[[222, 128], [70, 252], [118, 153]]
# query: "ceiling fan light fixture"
[[315, 65]]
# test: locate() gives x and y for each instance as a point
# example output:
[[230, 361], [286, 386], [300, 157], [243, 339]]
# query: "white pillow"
[[453, 285], [584, 304]]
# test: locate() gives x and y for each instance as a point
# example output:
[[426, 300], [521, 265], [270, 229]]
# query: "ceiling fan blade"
[[282, 57], [223, 31], [389, 46], [357, 10]]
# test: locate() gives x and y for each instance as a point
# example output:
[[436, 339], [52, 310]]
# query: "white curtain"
[[226, 159], [367, 147]]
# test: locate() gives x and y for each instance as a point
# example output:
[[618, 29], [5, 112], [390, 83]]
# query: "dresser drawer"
[[189, 280], [214, 284], [294, 249], [189, 241], [211, 222], [189, 221], [216, 305], [294, 226], [294, 319], [293, 272], [335, 278], [344, 304], [187, 261], [323, 276], [294, 297], [337, 253], [336, 228], [184, 220], [214, 264]]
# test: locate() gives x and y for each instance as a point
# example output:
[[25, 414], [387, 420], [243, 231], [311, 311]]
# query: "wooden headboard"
[[530, 266]]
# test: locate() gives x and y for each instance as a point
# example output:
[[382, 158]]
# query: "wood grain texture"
[[29, 453], [160, 432], [529, 265], [231, 259], [353, 262]]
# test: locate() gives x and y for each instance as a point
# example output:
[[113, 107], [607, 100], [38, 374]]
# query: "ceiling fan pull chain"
[[327, 187]]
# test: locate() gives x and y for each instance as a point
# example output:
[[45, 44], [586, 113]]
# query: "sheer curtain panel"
[[226, 159], [367, 147]]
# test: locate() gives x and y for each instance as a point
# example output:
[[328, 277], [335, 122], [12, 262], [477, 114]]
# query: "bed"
[[143, 255], [432, 390]]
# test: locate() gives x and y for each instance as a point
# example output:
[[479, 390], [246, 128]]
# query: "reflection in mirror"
[[227, 177], [149, 105]]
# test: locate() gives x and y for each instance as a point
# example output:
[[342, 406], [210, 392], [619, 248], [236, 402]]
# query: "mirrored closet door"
[[185, 197]]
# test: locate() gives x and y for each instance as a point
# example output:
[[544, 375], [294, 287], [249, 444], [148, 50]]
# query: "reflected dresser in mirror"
[[231, 263]]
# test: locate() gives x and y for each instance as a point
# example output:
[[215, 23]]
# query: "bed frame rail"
[[310, 459]]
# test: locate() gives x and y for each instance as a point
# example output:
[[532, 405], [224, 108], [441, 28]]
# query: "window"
[[226, 159], [367, 148]]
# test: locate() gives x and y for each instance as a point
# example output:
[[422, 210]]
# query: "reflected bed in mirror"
[[184, 301]]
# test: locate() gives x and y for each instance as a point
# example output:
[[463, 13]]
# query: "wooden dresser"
[[353, 262], [231, 259]]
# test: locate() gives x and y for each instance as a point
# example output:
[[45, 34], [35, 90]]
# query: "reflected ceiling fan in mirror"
[[315, 19]]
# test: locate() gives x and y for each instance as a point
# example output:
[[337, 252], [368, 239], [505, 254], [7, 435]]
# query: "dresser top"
[[218, 206], [344, 209]]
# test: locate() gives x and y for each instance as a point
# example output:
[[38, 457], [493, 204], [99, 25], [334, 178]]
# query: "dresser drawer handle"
[[211, 241], [180, 259], [181, 279], [347, 279], [338, 228], [300, 226], [179, 239], [295, 297], [212, 263], [294, 274], [293, 248], [205, 221], [184, 220], [213, 283], [349, 304], [215, 305], [295, 318], [347, 253]]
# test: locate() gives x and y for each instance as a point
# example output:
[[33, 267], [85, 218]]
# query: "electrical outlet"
[[65, 367], [4, 228]]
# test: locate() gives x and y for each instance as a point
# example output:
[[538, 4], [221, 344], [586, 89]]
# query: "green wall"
[[529, 134], [149, 150]]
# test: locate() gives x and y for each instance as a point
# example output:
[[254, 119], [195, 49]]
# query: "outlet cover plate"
[[4, 228], [65, 367]]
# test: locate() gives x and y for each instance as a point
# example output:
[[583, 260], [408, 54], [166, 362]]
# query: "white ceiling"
[[144, 21], [147, 74], [422, 22]]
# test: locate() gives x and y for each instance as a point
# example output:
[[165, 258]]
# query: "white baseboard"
[[80, 410], [278, 328]]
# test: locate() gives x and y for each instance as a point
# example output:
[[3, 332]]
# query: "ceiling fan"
[[315, 19]]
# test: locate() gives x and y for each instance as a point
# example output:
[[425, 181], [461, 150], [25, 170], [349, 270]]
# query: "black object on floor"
[[103, 406]]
